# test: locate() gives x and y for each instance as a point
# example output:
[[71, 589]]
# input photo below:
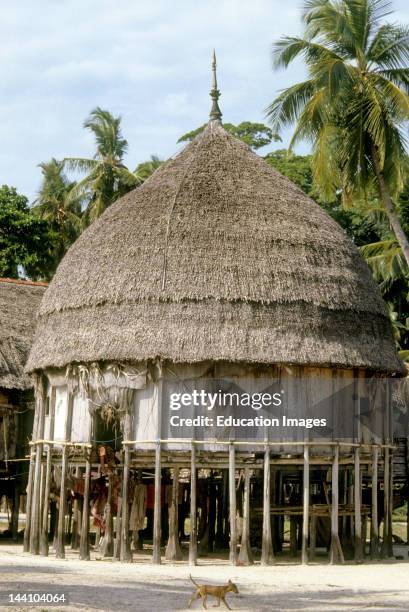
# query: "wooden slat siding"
[[125, 545], [156, 558], [35, 516], [306, 505], [173, 552], [44, 526], [357, 502], [60, 545], [193, 508], [232, 505], [245, 556], [267, 556]]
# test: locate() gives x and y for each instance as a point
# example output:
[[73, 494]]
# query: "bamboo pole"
[[386, 505], [125, 545], [173, 552], [336, 554], [35, 516], [245, 556], [357, 509], [27, 529], [374, 501], [157, 507], [84, 540], [44, 527], [60, 545], [232, 504], [193, 508], [267, 555], [306, 506]]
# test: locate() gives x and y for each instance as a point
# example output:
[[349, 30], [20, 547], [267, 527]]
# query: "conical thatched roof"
[[217, 256], [19, 302]]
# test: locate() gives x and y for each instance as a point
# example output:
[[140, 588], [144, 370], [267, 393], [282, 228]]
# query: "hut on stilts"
[[217, 267], [19, 302]]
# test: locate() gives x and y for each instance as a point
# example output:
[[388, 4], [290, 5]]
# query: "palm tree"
[[57, 205], [145, 169], [354, 105], [107, 178]]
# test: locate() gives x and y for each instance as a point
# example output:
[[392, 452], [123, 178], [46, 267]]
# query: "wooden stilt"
[[390, 525], [125, 544], [386, 505], [44, 524], [173, 552], [84, 540], [232, 504], [35, 517], [306, 505], [246, 556], [357, 508], [15, 513], [107, 546], [267, 555], [313, 537], [374, 511], [336, 554], [60, 545], [27, 528], [193, 508], [76, 519], [157, 507]]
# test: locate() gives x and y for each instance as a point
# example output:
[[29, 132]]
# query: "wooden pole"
[[84, 540], [232, 504], [306, 506], [107, 546], [374, 502], [390, 526], [245, 556], [357, 508], [60, 545], [336, 554], [267, 555], [193, 508], [156, 558], [44, 525], [125, 544], [386, 505], [27, 529], [173, 552], [76, 518], [35, 517]]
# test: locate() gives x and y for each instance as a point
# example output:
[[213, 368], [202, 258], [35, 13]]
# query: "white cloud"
[[148, 61]]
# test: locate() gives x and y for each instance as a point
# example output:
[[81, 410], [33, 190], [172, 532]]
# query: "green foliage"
[[354, 106], [106, 177], [256, 135], [25, 240], [56, 204], [145, 169]]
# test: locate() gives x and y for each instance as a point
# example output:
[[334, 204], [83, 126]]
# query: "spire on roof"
[[215, 113]]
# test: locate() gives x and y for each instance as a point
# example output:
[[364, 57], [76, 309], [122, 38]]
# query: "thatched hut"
[[19, 302], [217, 267]]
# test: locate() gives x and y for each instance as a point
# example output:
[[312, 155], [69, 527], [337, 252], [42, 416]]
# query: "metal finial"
[[215, 113]]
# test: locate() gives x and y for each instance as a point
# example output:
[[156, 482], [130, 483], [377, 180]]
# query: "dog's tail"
[[195, 583]]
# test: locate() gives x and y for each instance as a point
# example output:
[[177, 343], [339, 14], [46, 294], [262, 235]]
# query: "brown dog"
[[203, 590]]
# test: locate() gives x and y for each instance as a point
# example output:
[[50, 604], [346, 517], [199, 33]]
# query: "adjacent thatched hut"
[[19, 302], [217, 267]]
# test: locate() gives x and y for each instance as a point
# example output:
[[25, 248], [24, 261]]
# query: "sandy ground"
[[108, 585]]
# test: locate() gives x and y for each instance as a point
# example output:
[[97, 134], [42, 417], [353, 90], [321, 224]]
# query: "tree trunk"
[[389, 207]]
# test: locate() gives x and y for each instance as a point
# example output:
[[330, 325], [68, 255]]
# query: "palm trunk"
[[389, 207]]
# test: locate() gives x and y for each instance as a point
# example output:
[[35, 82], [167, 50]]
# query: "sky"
[[146, 60]]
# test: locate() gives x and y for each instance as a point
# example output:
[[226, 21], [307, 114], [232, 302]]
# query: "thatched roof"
[[19, 302], [217, 256]]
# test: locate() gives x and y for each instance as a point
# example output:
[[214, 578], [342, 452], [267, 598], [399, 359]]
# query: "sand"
[[108, 585]]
